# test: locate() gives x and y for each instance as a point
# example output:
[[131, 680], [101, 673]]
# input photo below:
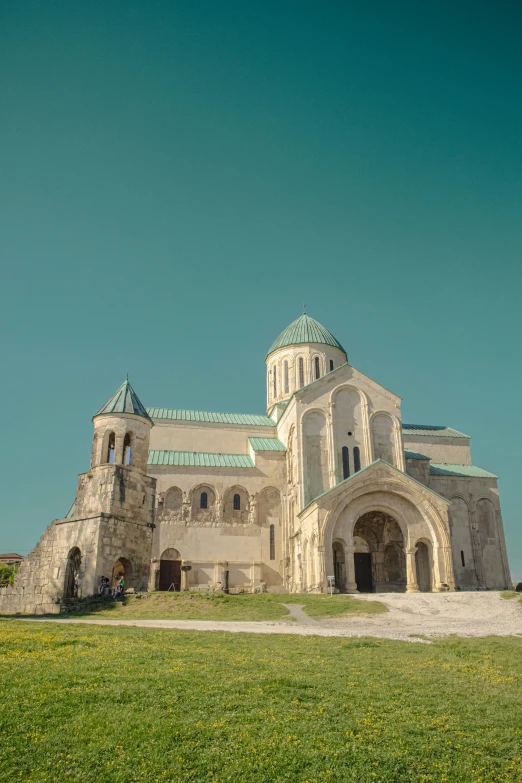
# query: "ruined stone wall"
[[39, 582]]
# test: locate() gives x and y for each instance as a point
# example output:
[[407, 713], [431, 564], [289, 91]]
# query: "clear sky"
[[178, 177]]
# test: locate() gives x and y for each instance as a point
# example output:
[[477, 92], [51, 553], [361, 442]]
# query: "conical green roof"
[[305, 330], [125, 400]]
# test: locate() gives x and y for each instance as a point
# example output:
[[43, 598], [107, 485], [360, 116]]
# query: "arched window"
[[331, 365], [203, 500], [317, 368], [301, 372], [274, 378], [346, 463], [272, 542], [127, 449], [462, 559], [286, 376], [110, 448], [237, 502], [356, 459]]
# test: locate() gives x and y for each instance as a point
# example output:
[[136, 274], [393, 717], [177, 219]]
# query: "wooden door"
[[170, 574], [363, 571]]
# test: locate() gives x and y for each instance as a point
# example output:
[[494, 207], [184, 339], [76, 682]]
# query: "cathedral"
[[330, 487]]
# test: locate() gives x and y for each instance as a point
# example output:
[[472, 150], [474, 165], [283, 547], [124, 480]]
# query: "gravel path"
[[410, 617]]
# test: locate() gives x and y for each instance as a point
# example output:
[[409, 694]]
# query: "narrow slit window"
[[203, 501], [356, 459], [272, 542], [286, 377], [331, 365], [127, 449], [237, 502], [346, 463], [110, 448], [301, 372], [317, 368], [274, 378], [462, 559]]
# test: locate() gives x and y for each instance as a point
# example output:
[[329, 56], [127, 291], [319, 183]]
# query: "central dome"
[[305, 330]]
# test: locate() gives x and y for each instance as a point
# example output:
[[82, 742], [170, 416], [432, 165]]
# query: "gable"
[[380, 470]]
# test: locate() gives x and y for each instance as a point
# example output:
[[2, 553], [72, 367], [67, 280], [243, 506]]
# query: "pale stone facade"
[[329, 483]]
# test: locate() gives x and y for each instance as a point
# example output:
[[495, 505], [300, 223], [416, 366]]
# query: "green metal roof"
[[414, 455], [215, 418], [267, 444], [432, 429], [461, 471], [305, 330], [199, 459], [125, 400]]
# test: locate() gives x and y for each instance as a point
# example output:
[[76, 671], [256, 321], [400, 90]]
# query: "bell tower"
[[108, 531]]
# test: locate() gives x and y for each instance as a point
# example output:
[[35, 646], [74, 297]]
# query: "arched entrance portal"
[[122, 568], [422, 563], [379, 558], [74, 559], [170, 570]]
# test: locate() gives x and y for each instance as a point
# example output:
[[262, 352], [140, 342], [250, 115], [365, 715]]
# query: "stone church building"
[[330, 483]]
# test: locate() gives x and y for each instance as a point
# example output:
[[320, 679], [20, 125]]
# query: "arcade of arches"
[[377, 560]]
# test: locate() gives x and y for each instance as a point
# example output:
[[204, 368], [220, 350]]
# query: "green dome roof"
[[305, 330]]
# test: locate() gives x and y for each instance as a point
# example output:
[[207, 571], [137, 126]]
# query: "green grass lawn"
[[509, 594], [122, 705], [218, 606]]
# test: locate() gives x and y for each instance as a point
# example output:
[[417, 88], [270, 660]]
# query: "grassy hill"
[[218, 606]]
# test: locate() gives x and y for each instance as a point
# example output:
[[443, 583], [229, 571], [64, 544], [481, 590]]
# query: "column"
[[349, 562], [184, 575], [411, 572], [321, 565]]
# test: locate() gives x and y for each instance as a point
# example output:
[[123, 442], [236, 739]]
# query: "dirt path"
[[409, 616]]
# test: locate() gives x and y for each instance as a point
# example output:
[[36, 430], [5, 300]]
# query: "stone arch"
[[317, 366], [72, 569], [383, 568], [347, 417], [315, 436], [382, 425], [490, 543], [417, 516], [128, 448], [173, 499], [423, 559], [231, 514], [269, 507], [301, 357], [464, 547], [200, 512], [170, 570], [339, 565], [123, 568], [108, 455]]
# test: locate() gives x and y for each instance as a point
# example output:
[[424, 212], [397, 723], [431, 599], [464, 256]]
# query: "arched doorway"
[[339, 566], [122, 568], [422, 564], [379, 558], [170, 570], [74, 559]]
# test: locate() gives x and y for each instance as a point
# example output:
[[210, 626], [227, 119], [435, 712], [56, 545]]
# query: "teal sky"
[[176, 178]]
